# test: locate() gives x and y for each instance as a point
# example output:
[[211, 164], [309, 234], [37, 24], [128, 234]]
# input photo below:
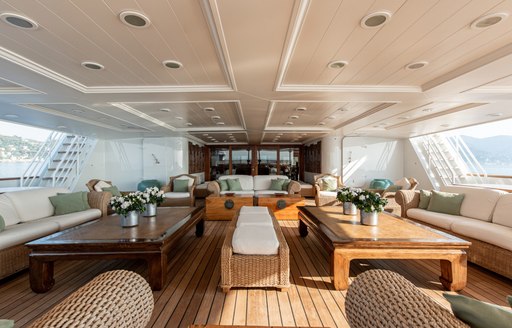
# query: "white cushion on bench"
[[24, 232], [255, 240], [255, 219], [253, 209], [177, 194], [491, 233]]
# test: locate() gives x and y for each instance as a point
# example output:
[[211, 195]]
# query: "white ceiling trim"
[[349, 88], [40, 108], [18, 91], [142, 115], [292, 42], [211, 12], [491, 89], [369, 112], [46, 72]]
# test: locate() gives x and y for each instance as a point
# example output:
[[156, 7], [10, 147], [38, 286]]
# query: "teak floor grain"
[[191, 295]]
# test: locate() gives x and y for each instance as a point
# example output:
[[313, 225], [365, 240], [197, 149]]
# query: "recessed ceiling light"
[[188, 123], [489, 20], [165, 109], [416, 65], [61, 127], [321, 123], [403, 117], [337, 64], [229, 134], [495, 114], [294, 117], [445, 125], [179, 118], [301, 109], [220, 123], [427, 109], [342, 109], [103, 118], [216, 141], [209, 109], [78, 111], [288, 123], [20, 21], [205, 134], [331, 117], [303, 134], [11, 116], [92, 65], [216, 117], [375, 19], [134, 19], [210, 137], [172, 64]]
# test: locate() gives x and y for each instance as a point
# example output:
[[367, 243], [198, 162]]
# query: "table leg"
[[157, 270], [303, 229], [340, 269], [40, 275], [454, 272], [200, 228]]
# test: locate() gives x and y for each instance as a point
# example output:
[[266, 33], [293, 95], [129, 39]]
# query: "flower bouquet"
[[346, 196], [370, 204], [151, 197], [128, 207]]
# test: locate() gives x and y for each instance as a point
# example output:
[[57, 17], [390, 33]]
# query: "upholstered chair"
[[392, 206], [326, 186], [180, 190]]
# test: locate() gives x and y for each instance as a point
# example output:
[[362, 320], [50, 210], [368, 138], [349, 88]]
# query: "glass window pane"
[[267, 161], [219, 163], [289, 162], [241, 161]]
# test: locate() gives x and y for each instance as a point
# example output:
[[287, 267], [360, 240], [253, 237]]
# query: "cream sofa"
[[29, 215], [254, 185], [485, 220]]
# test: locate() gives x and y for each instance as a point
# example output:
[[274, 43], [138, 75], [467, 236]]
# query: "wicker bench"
[[238, 270], [114, 299]]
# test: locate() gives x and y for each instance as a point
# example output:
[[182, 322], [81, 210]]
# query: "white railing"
[[468, 157], [33, 174]]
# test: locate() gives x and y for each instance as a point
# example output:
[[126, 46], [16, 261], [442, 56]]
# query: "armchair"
[[326, 186], [176, 197], [392, 206]]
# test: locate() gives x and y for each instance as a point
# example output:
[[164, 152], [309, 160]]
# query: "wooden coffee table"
[[393, 238], [225, 207], [105, 239], [284, 207]]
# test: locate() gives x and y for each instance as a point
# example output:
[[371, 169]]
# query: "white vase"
[[131, 219], [150, 210], [369, 218], [349, 208]]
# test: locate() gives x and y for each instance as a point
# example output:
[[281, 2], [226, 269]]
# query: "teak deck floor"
[[191, 294]]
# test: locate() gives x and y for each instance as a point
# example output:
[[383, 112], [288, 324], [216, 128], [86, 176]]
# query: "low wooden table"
[[393, 238], [105, 239], [284, 207], [225, 207]]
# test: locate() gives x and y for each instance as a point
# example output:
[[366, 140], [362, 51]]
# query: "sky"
[[24, 131], [486, 130]]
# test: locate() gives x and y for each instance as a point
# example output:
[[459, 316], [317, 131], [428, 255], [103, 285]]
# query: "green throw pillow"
[[70, 203], [234, 184], [276, 184], [223, 184], [180, 185], [445, 202], [328, 184], [393, 188], [4, 323], [2, 223], [286, 183], [425, 196], [479, 314], [113, 190]]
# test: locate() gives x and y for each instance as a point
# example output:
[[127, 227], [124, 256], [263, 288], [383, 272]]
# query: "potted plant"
[[346, 195], [369, 204], [128, 207], [152, 197]]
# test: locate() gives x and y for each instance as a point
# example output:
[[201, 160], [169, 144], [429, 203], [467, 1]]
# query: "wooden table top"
[[109, 230], [347, 230]]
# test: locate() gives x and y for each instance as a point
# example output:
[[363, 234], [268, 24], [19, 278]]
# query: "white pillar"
[[331, 155]]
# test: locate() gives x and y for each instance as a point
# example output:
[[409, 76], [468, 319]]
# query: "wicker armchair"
[[393, 206], [114, 299], [382, 298], [173, 198], [326, 198], [238, 270]]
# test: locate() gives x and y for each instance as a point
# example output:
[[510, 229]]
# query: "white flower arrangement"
[[347, 194], [152, 195], [127, 203]]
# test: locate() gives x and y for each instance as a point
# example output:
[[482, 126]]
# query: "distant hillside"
[[492, 150], [14, 148]]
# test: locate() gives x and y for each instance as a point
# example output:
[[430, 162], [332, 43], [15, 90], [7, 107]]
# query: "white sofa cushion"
[[269, 192], [24, 232], [503, 211], [254, 210], [478, 203], [491, 233], [7, 211], [177, 194], [441, 220], [255, 240], [73, 219], [324, 193], [246, 181], [259, 219], [100, 185], [34, 204], [239, 193], [263, 182]]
